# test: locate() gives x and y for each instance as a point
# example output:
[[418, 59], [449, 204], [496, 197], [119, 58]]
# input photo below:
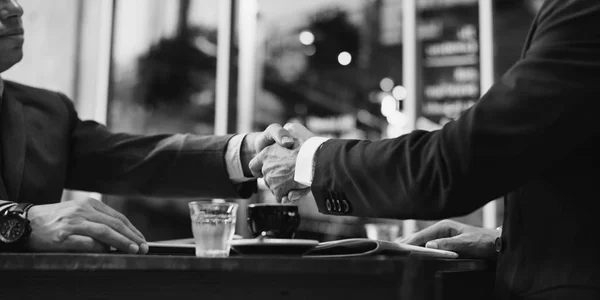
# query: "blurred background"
[[224, 66]]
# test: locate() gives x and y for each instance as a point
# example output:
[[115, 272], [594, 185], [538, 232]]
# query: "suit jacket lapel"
[[12, 126]]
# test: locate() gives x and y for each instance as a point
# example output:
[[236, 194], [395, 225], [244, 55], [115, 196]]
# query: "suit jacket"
[[534, 137], [45, 148]]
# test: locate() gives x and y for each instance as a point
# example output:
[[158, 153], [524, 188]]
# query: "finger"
[[295, 195], [256, 165], [286, 200], [274, 134], [116, 225], [456, 244], [117, 221], [283, 184], [279, 190], [106, 235], [79, 243], [438, 230], [279, 194]]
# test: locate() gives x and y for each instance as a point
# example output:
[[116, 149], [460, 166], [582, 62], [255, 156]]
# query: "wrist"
[[247, 153]]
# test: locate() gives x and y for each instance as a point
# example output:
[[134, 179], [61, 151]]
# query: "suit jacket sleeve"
[[179, 165], [538, 114]]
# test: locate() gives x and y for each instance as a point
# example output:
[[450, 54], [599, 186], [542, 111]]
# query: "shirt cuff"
[[233, 160], [305, 161]]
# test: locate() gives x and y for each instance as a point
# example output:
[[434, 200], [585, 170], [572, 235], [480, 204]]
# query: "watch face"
[[11, 229]]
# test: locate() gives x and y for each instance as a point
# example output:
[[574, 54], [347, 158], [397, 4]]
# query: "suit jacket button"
[[338, 206], [345, 206], [328, 204]]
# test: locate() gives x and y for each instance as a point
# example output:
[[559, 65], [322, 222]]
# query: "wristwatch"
[[14, 228]]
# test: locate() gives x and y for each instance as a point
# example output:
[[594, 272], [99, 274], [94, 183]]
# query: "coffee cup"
[[278, 221]]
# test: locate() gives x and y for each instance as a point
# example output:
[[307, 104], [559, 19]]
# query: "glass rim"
[[271, 204], [207, 203]]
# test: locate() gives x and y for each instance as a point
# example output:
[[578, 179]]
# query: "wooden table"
[[112, 276]]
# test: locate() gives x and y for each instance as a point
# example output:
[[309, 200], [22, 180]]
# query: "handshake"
[[274, 159]]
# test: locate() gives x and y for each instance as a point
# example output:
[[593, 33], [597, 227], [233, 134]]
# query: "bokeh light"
[[399, 92], [386, 84], [344, 58], [307, 38], [388, 105]]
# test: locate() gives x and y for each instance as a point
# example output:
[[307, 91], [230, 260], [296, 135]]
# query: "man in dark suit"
[[534, 137], [45, 147]]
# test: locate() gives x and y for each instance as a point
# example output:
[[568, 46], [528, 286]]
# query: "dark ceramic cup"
[[278, 221]]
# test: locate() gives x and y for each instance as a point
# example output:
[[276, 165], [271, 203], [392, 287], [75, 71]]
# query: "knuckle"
[[60, 236], [77, 209], [72, 221], [120, 216], [118, 225]]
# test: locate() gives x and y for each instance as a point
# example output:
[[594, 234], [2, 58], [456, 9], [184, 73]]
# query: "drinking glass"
[[213, 226]]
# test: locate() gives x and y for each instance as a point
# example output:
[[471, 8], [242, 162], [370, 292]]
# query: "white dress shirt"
[[233, 159], [305, 162]]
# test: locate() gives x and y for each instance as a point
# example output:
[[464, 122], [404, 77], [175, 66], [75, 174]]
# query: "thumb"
[[455, 244], [256, 165], [274, 134], [298, 131]]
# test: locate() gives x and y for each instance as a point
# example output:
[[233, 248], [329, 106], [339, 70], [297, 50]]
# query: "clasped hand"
[[82, 226], [92, 226], [277, 166]]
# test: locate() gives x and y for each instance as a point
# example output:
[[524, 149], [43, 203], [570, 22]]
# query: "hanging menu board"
[[448, 32]]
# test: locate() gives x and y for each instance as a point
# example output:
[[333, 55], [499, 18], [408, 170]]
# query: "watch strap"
[[21, 209]]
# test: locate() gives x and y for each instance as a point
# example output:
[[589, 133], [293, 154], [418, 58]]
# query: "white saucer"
[[273, 246]]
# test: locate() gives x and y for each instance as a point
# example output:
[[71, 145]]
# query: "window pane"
[[163, 81]]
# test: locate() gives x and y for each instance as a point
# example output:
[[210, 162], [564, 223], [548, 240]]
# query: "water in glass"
[[212, 234]]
